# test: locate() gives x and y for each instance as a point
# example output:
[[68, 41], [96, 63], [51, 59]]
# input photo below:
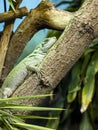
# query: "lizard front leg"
[[40, 74], [35, 69]]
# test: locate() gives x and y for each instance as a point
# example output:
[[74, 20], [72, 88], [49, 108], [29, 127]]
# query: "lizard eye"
[[46, 40], [43, 44]]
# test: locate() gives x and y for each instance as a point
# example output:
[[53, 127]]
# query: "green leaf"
[[30, 108], [31, 127], [12, 5], [85, 123], [74, 85], [6, 123], [36, 117], [89, 83], [23, 98], [85, 63]]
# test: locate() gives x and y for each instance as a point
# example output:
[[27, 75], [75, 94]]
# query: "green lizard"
[[28, 64]]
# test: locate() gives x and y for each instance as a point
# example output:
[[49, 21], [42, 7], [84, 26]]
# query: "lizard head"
[[47, 43]]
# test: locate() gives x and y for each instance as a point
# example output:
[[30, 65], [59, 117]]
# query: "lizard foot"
[[6, 93]]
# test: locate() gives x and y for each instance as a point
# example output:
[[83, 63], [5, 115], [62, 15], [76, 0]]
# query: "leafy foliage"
[[10, 121]]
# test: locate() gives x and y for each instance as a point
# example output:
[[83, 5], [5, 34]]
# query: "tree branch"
[[10, 15]]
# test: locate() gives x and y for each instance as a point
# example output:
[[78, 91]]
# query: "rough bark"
[[78, 34]]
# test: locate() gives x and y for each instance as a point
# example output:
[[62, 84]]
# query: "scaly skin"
[[28, 64]]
